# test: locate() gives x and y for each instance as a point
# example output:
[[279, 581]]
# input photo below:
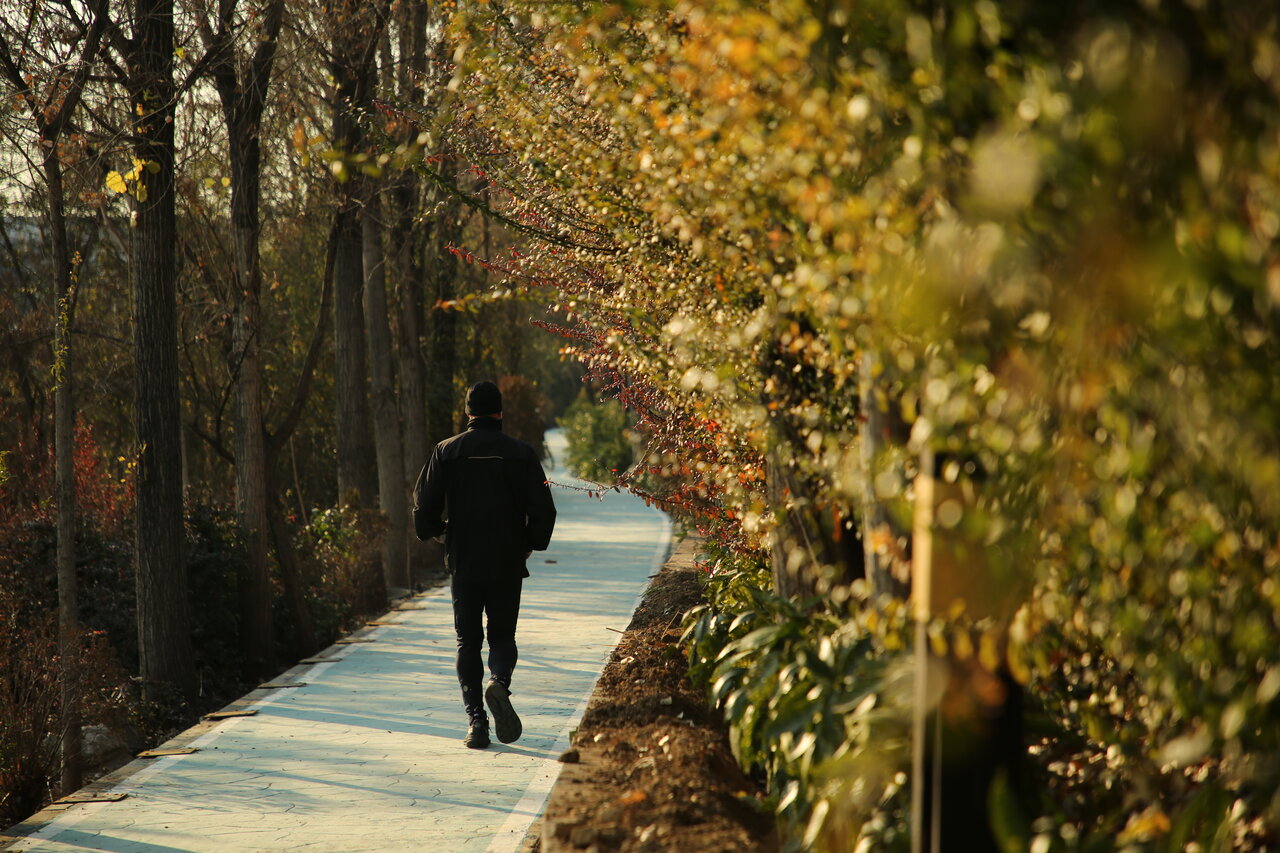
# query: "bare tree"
[[356, 29]]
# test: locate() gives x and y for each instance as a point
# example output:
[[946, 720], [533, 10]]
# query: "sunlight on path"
[[368, 755]]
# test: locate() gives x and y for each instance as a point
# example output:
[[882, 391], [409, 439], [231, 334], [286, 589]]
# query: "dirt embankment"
[[650, 768]]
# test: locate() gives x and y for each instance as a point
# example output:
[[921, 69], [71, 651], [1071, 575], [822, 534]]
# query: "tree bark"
[[351, 391], [392, 486], [355, 41], [243, 98], [304, 629], [64, 419], [408, 270], [409, 277], [443, 325], [164, 628]]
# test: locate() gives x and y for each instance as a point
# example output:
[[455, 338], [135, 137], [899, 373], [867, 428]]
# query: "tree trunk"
[[443, 326], [64, 419], [164, 631], [256, 636], [243, 98], [875, 525], [407, 266], [392, 486], [304, 629], [353, 53], [792, 556], [409, 276], [351, 386], [304, 635]]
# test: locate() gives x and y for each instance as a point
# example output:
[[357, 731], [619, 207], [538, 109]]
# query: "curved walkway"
[[367, 755]]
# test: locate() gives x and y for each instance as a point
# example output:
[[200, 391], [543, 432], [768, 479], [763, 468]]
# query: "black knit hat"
[[484, 398]]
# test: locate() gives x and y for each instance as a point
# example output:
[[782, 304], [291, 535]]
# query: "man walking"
[[485, 494]]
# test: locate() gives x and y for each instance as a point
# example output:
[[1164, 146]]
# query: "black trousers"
[[499, 603]]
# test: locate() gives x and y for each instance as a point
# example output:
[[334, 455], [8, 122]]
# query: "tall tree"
[[442, 358], [357, 28], [51, 111], [242, 83], [403, 199], [164, 634], [392, 485]]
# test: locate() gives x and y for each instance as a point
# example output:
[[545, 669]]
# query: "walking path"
[[367, 756]]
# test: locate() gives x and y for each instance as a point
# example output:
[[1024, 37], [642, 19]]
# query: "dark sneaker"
[[477, 734], [506, 725]]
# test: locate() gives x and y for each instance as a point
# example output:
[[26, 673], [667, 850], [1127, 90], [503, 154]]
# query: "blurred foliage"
[[1040, 240], [338, 546], [599, 447], [524, 412]]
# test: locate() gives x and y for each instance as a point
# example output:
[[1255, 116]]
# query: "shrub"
[[599, 443], [339, 549], [813, 700], [31, 694]]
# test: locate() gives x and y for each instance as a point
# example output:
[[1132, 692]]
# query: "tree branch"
[[277, 439]]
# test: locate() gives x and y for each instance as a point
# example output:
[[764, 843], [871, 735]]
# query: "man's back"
[[486, 491]]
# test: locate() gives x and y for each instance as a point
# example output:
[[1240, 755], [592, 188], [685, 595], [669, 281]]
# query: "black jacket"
[[487, 493]]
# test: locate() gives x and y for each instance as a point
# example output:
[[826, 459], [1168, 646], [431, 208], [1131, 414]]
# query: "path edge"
[[42, 824], [543, 836]]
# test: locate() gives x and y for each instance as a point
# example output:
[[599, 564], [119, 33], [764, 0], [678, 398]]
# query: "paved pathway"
[[368, 755]]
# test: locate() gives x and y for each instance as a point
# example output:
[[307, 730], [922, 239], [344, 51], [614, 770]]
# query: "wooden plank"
[[223, 715], [272, 685], [319, 659], [166, 751], [384, 622], [89, 797], [346, 641]]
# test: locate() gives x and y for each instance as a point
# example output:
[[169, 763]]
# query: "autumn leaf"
[[116, 182]]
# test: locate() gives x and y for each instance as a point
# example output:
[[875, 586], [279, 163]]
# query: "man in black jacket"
[[486, 495]]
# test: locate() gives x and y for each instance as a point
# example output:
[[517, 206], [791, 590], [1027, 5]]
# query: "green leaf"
[[1010, 828]]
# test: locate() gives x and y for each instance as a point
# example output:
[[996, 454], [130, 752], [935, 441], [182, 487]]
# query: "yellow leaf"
[[153, 166], [115, 182], [209, 182], [226, 182], [180, 52], [140, 193]]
